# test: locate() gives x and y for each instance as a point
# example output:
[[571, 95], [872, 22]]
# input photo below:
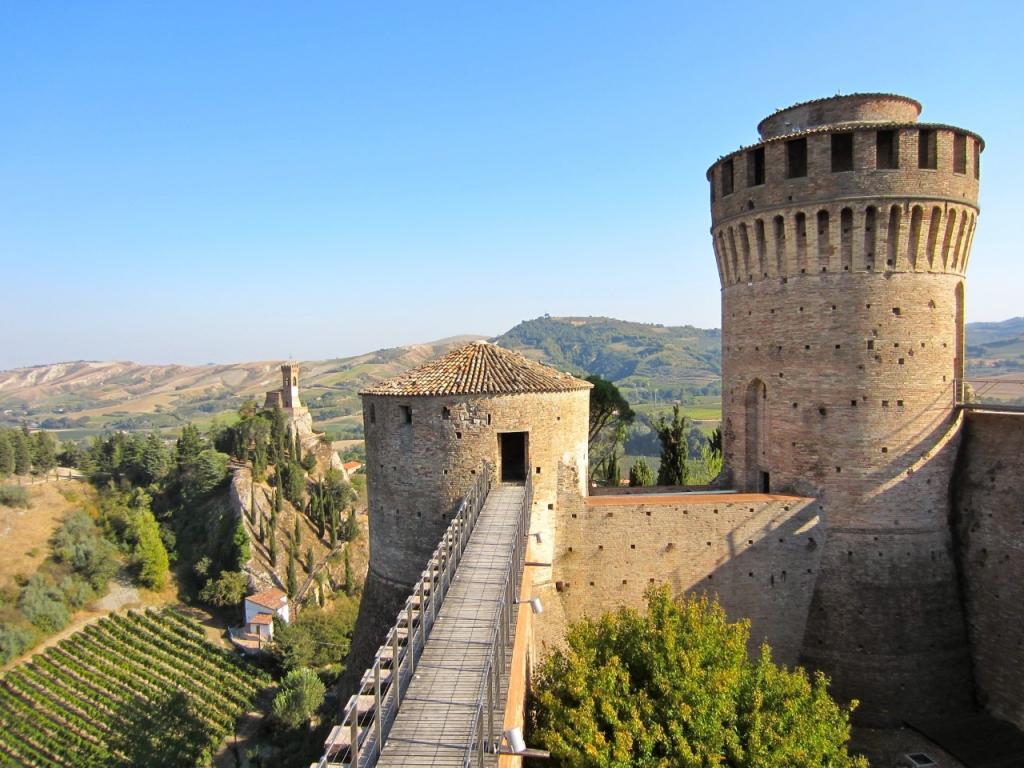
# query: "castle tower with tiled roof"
[[430, 430], [842, 241]]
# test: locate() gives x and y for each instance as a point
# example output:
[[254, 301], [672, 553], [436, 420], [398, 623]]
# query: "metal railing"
[[997, 393], [369, 714], [490, 709]]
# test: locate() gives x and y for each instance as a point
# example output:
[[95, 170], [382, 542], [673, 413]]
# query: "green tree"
[[715, 441], [297, 533], [350, 581], [612, 475], [227, 589], [22, 452], [309, 559], [293, 483], [351, 525], [190, 443], [291, 576], [240, 541], [640, 473], [672, 435], [272, 547], [155, 459], [301, 695], [316, 637], [6, 453], [15, 639], [44, 451], [675, 686], [80, 544], [149, 555], [610, 416], [70, 455]]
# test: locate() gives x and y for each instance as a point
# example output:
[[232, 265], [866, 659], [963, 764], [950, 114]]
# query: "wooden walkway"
[[435, 724]]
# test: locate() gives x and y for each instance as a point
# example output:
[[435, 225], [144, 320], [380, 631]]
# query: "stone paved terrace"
[[435, 723]]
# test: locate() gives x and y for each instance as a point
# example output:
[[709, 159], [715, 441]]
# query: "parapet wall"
[[758, 552], [989, 504]]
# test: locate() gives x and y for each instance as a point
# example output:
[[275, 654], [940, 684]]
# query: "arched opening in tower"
[[756, 427]]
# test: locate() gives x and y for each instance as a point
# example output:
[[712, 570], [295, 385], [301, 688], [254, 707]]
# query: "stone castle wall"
[[758, 553], [842, 341], [417, 471], [990, 515]]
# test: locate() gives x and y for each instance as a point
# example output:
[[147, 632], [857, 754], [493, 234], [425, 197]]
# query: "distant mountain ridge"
[[648, 361]]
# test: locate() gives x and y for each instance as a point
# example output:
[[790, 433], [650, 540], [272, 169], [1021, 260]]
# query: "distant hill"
[[653, 364], [83, 398], [995, 349]]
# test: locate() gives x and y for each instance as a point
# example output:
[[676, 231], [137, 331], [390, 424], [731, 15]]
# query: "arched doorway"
[[756, 429]]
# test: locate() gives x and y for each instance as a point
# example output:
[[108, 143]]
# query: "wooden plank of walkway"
[[435, 723]]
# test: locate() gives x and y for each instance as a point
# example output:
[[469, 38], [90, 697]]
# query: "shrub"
[[301, 695], [227, 589], [13, 496], [79, 543], [677, 687], [42, 603], [15, 639]]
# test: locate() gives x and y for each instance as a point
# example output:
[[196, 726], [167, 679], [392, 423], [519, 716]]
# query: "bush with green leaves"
[[317, 637], [13, 496], [42, 603], [227, 589], [15, 639], [675, 686], [301, 694], [80, 544]]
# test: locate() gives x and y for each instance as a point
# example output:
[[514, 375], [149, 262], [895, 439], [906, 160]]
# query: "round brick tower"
[[842, 240], [429, 431]]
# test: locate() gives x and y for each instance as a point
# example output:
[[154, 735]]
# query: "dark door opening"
[[513, 457], [765, 484]]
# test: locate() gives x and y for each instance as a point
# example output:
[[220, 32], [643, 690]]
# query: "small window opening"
[[406, 414], [886, 149], [755, 167], [373, 414], [926, 156], [488, 419], [727, 178], [796, 158], [959, 153], [446, 414], [842, 152], [896, 311]]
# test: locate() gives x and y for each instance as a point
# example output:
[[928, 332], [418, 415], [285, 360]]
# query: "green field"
[[140, 689]]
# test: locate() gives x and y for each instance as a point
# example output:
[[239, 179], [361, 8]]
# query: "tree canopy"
[[301, 695], [676, 687]]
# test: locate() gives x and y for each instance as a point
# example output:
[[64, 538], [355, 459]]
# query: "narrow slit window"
[[727, 178], [842, 152], [755, 167], [373, 414], [406, 412], [959, 153], [886, 149], [926, 156], [796, 158]]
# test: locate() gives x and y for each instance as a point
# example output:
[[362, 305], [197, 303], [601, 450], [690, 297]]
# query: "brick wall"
[[759, 554], [990, 511]]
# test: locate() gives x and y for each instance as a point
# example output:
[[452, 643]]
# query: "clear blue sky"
[[193, 182]]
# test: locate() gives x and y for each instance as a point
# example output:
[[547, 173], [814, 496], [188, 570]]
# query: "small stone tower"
[[429, 431], [290, 386], [842, 240]]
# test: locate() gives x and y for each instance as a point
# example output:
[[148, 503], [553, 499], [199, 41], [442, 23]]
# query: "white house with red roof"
[[260, 610]]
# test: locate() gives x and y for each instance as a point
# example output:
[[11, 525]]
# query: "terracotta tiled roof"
[[351, 466], [478, 368], [262, 618], [272, 598]]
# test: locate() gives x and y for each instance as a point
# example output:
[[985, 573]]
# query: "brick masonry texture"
[[759, 556], [417, 472], [842, 316], [990, 516]]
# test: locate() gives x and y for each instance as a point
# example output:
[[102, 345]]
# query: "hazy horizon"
[[238, 182]]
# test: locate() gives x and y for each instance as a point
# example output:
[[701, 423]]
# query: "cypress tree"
[[22, 452], [309, 559], [6, 453], [273, 547], [252, 503], [291, 576], [263, 532], [350, 582], [333, 527], [297, 533], [351, 525]]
